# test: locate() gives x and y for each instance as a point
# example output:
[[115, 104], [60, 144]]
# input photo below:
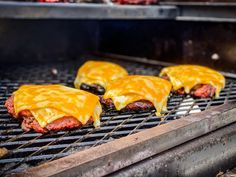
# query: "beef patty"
[[141, 105], [29, 122], [93, 88], [199, 90]]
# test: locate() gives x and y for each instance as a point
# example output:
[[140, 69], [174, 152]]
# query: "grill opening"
[[27, 149]]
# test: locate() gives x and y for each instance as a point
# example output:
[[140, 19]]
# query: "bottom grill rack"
[[26, 149]]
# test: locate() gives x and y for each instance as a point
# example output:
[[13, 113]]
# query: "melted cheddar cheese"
[[134, 88], [50, 102], [98, 72], [188, 76]]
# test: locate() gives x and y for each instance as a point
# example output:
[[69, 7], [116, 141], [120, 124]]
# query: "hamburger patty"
[[203, 91], [199, 90], [135, 106], [29, 122], [93, 88]]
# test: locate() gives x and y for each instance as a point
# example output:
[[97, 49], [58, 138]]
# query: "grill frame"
[[120, 120], [110, 157], [194, 158]]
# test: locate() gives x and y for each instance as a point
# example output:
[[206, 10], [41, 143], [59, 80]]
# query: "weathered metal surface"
[[180, 10], [219, 13], [200, 2], [29, 10], [110, 157], [203, 10], [209, 155]]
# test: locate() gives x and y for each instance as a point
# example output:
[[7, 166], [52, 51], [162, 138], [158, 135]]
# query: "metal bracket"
[[29, 10]]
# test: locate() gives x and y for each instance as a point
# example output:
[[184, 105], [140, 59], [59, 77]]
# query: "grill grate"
[[30, 149]]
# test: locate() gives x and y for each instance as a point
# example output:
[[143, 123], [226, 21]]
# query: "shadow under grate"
[[28, 149]]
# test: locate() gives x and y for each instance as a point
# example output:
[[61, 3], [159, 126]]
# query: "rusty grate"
[[28, 149]]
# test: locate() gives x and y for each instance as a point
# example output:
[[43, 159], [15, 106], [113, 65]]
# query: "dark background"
[[32, 41]]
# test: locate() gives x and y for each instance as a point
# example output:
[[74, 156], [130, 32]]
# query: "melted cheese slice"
[[50, 102], [98, 72], [187, 76], [134, 88]]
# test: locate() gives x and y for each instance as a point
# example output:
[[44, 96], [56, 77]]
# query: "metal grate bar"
[[109, 134], [78, 141], [29, 148]]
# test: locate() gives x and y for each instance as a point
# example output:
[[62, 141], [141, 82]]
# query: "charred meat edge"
[[198, 91], [29, 122], [93, 88], [141, 105]]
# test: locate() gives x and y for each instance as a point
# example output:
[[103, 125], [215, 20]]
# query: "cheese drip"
[[50, 102], [188, 76], [134, 88], [98, 72]]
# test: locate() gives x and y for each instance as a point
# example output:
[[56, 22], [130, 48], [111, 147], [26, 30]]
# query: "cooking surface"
[[29, 148]]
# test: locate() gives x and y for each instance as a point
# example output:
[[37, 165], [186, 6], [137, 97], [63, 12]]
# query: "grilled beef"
[[141, 105], [203, 91], [180, 91], [199, 91], [53, 1], [136, 2], [93, 88], [29, 122]]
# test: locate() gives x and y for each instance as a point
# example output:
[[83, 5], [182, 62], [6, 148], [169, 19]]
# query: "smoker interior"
[[30, 50], [48, 40], [30, 149]]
